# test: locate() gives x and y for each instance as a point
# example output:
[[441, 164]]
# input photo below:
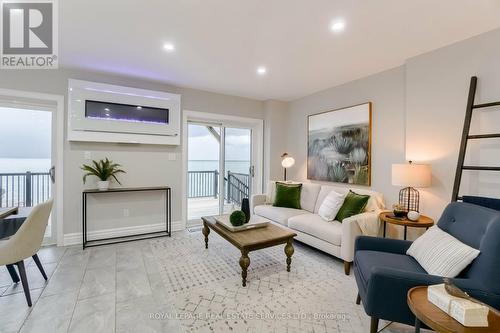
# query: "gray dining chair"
[[25, 243]]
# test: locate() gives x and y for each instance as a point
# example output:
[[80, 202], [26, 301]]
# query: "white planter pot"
[[103, 185]]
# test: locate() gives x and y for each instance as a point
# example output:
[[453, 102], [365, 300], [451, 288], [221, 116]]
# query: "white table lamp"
[[409, 176]]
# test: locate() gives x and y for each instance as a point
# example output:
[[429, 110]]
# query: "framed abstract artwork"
[[339, 145]]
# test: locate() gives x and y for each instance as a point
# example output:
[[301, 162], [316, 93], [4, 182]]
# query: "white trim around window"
[[17, 98]]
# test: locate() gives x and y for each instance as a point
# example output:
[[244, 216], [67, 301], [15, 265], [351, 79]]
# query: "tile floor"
[[114, 288], [102, 289]]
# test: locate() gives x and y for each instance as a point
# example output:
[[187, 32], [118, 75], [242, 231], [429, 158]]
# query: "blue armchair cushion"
[[368, 260], [482, 201]]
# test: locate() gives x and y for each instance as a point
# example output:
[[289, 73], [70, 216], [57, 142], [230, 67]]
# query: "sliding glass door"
[[237, 167], [203, 170], [27, 158], [221, 168]]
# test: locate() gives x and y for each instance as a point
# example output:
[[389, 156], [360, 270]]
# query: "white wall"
[[146, 165], [386, 91], [276, 115], [437, 85]]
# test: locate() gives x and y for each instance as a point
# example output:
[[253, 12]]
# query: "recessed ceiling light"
[[106, 109], [169, 47], [139, 107], [337, 26], [261, 70]]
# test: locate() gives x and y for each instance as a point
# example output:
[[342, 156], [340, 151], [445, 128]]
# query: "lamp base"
[[409, 198]]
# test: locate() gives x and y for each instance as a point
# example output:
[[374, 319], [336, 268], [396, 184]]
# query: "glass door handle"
[[251, 171], [52, 174]]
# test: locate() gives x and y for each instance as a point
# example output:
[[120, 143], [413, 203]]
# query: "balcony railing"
[[31, 188], [237, 187], [205, 184], [24, 189]]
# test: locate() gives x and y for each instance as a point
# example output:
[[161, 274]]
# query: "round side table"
[[435, 318], [423, 221]]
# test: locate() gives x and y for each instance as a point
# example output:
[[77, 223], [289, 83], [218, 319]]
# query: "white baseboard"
[[178, 225], [76, 237]]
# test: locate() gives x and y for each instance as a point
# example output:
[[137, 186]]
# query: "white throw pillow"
[[331, 205], [441, 254]]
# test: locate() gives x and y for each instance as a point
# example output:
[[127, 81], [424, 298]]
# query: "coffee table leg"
[[289, 252], [206, 232], [244, 263]]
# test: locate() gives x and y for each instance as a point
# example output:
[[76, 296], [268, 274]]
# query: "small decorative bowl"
[[399, 211], [413, 215]]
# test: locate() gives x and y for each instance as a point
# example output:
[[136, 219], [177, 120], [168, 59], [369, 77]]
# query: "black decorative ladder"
[[466, 137]]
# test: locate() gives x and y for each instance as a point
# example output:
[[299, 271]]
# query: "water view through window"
[[206, 194], [25, 157]]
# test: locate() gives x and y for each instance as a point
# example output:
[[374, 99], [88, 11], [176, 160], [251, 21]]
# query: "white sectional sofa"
[[334, 237]]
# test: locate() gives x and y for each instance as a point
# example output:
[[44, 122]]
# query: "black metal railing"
[[237, 187], [24, 189], [205, 184]]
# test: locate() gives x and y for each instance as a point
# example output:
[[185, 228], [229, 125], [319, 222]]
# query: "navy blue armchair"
[[384, 273]]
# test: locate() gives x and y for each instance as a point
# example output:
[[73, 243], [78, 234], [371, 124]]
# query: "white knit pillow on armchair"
[[441, 254]]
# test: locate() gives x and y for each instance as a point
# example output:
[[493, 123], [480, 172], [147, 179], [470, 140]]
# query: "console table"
[[128, 238]]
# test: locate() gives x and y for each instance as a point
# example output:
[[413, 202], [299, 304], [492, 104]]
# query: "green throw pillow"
[[353, 204], [287, 195]]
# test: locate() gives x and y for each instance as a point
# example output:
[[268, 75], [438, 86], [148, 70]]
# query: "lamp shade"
[[411, 175], [287, 161]]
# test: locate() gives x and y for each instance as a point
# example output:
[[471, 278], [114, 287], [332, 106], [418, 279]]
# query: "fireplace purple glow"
[[124, 112]]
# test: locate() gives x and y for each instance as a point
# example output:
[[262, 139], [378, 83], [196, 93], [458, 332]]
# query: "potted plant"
[[104, 170]]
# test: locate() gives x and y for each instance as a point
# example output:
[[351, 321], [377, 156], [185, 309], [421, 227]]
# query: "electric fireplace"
[[125, 112], [101, 112]]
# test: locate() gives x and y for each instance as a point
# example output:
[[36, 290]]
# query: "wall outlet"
[[126, 212], [172, 156], [87, 155]]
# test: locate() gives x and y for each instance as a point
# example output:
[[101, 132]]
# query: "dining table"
[[8, 227]]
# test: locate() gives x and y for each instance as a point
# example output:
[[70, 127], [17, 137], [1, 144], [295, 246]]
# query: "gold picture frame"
[[339, 145]]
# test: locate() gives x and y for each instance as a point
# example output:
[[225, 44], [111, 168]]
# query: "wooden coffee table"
[[439, 320], [251, 240]]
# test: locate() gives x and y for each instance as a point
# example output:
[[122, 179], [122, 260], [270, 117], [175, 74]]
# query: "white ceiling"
[[220, 43]]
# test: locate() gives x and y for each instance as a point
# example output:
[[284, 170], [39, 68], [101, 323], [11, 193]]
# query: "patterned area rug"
[[205, 288]]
